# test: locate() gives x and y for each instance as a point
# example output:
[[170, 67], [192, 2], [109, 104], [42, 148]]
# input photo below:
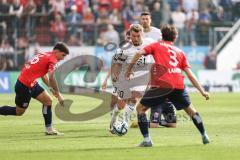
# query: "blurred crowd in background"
[[97, 22]]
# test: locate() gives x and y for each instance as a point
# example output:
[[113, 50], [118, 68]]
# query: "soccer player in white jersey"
[[114, 98], [166, 110], [129, 91], [148, 30]]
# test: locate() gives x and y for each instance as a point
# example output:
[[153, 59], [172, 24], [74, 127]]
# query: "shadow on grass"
[[120, 149]]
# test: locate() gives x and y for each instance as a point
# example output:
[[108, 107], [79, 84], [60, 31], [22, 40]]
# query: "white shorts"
[[123, 88]]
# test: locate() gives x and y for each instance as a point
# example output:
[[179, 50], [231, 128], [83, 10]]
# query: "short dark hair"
[[61, 47], [169, 33], [145, 14]]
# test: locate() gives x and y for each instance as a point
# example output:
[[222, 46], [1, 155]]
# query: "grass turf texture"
[[22, 138]]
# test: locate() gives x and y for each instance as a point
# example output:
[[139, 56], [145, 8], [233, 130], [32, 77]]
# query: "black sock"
[[7, 110], [197, 120], [47, 114], [143, 124]]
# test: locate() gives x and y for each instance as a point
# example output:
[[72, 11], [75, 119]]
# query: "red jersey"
[[169, 63], [116, 4], [37, 67]]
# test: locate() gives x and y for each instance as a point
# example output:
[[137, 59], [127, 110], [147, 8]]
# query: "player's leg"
[[22, 100], [114, 100], [118, 107], [114, 111], [151, 98], [130, 105], [43, 97], [129, 108], [123, 95], [115, 108], [197, 120], [181, 100], [13, 111], [143, 125], [155, 116], [136, 96], [46, 101], [166, 110], [169, 114], [8, 110]]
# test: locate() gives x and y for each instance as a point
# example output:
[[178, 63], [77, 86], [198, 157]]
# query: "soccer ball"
[[120, 128]]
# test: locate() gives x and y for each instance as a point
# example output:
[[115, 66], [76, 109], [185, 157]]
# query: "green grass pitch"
[[22, 138]]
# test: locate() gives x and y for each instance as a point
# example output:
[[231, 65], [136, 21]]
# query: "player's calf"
[[14, 111], [8, 110], [47, 114], [115, 113]]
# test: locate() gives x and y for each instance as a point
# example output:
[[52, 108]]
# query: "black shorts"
[[24, 94], [179, 98], [164, 111]]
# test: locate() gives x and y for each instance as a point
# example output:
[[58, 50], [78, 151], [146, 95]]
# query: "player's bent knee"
[[45, 98], [121, 104], [141, 109], [190, 111], [48, 101], [20, 111]]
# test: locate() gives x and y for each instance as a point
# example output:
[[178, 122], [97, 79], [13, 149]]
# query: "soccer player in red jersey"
[[167, 82], [27, 87]]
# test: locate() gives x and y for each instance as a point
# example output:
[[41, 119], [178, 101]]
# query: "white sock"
[[48, 128], [147, 139], [129, 108], [115, 113]]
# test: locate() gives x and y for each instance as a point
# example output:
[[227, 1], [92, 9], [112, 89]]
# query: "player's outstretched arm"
[[114, 72], [53, 85], [129, 71], [52, 81], [196, 83], [104, 85]]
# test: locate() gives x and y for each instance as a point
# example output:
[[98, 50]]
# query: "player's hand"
[[128, 75], [60, 99], [58, 96], [104, 85], [206, 95]]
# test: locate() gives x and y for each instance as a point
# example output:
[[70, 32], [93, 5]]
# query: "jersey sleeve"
[[119, 56], [149, 49], [52, 65], [184, 62]]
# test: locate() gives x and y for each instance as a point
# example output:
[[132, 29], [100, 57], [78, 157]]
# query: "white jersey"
[[124, 56], [154, 34]]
